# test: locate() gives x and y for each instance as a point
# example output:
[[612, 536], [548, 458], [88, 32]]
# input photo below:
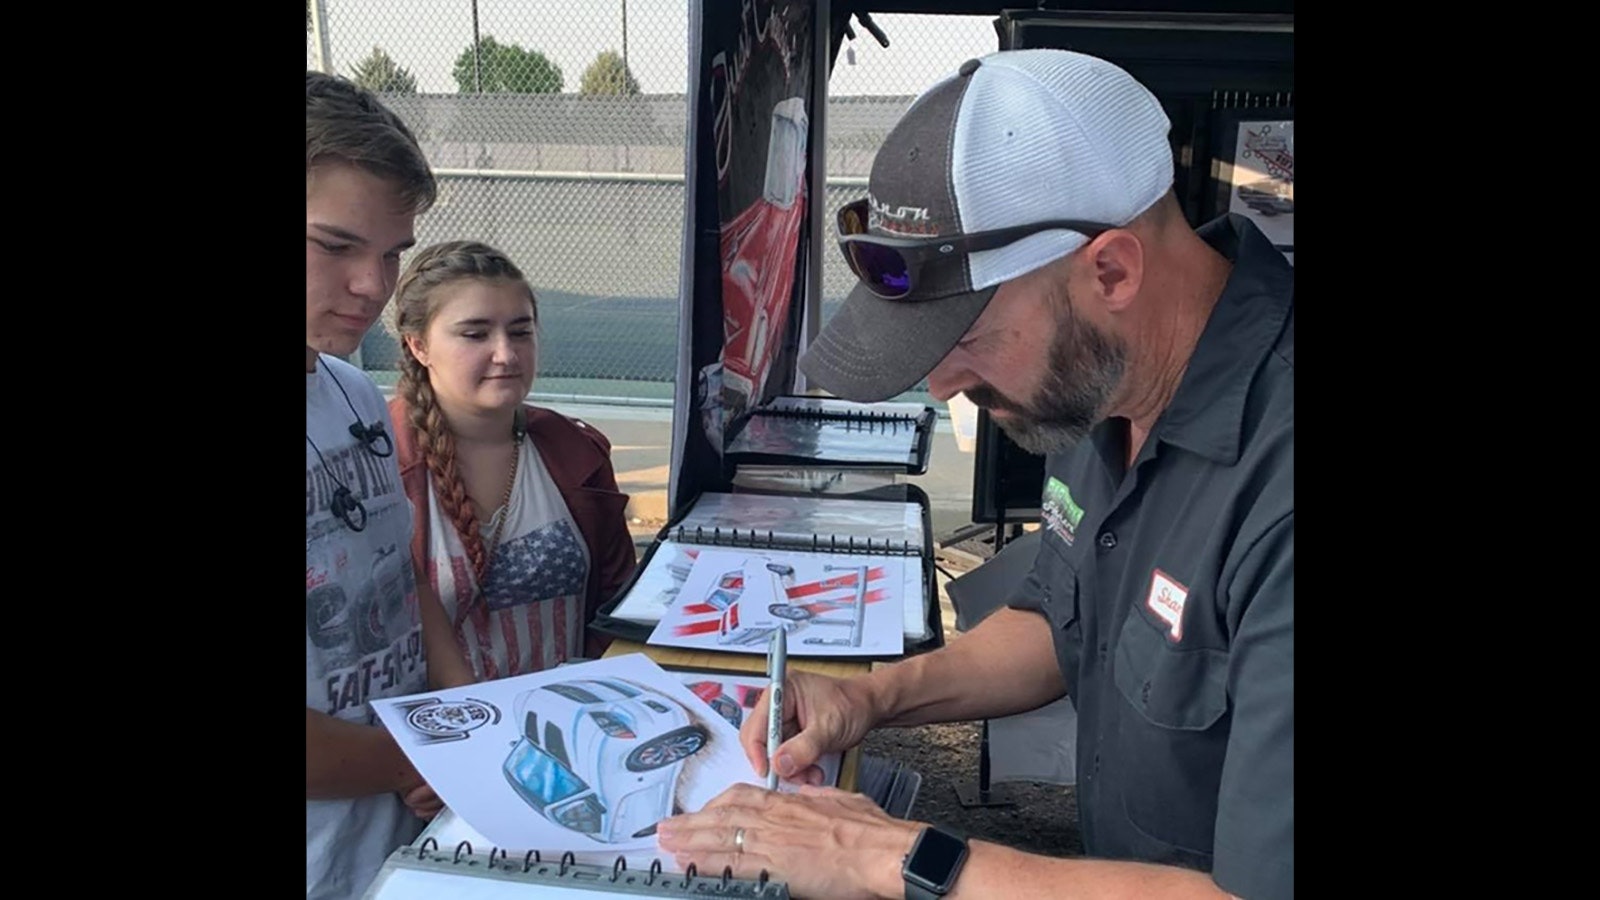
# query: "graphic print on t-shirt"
[[362, 631], [543, 564]]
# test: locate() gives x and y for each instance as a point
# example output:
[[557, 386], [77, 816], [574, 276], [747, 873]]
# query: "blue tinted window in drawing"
[[623, 746], [538, 777]]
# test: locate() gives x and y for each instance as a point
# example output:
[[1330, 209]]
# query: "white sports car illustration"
[[748, 624], [601, 756]]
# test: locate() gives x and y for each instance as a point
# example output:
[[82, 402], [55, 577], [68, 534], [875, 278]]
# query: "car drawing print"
[[601, 757], [826, 604], [739, 624], [587, 756]]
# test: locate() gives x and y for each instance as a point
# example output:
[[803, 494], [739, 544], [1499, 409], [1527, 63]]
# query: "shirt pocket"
[[1058, 589], [1172, 737]]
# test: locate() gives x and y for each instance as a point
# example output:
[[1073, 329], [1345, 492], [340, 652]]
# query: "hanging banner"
[[758, 76], [746, 228]]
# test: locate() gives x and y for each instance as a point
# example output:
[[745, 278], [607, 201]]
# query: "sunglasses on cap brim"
[[889, 266]]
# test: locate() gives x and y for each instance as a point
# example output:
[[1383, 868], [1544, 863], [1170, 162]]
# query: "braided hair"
[[416, 298]]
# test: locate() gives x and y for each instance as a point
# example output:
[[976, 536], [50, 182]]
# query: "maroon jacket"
[[579, 460]]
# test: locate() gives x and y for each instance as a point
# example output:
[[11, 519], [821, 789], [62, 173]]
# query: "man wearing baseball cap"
[[1020, 243]]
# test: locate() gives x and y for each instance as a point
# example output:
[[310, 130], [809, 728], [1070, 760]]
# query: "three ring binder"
[[890, 521], [426, 872], [827, 433]]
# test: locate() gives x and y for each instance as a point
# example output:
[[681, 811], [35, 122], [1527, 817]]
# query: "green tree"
[[378, 72], [509, 69], [608, 75]]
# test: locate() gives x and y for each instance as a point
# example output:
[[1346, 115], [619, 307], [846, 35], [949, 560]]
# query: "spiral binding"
[[569, 869], [814, 543], [862, 417]]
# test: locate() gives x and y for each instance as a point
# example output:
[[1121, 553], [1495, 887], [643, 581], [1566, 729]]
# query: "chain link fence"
[[557, 133]]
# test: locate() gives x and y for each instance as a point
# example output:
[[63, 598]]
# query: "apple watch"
[[931, 868]]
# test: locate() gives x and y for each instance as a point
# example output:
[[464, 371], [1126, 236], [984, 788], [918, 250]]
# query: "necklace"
[[504, 511]]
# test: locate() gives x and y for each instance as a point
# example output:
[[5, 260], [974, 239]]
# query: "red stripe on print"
[[705, 627], [828, 584], [843, 602]]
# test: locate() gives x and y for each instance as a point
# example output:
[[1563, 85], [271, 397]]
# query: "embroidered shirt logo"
[[1166, 600], [1060, 514]]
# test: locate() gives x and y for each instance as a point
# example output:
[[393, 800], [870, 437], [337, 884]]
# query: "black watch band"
[[931, 868]]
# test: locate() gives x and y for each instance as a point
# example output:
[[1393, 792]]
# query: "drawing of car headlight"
[[728, 710], [581, 815]]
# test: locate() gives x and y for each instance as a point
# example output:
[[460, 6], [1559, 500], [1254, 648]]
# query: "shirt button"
[[1108, 539], [1144, 694]]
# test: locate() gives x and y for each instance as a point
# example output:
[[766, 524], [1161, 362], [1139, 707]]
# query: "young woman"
[[519, 522]]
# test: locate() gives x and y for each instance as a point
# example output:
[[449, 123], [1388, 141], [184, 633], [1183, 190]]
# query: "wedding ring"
[[738, 840]]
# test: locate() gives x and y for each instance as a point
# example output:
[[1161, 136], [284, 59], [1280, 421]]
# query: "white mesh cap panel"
[[1051, 134]]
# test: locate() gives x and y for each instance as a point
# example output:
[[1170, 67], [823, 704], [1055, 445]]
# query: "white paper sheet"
[[659, 585], [728, 695], [417, 884], [733, 600], [582, 757]]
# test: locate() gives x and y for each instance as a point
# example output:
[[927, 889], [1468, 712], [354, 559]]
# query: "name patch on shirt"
[[1060, 514], [1166, 600]]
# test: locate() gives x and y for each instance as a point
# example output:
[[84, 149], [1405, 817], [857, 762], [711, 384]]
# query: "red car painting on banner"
[[759, 249]]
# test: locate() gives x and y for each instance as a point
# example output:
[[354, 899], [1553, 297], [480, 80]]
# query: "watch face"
[[935, 858]]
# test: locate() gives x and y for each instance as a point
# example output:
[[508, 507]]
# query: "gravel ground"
[[1043, 818]]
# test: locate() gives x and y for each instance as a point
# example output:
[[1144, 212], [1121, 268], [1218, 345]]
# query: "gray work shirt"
[[1169, 588]]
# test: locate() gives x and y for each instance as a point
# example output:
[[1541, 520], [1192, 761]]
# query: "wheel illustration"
[[369, 630], [792, 613], [675, 746]]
